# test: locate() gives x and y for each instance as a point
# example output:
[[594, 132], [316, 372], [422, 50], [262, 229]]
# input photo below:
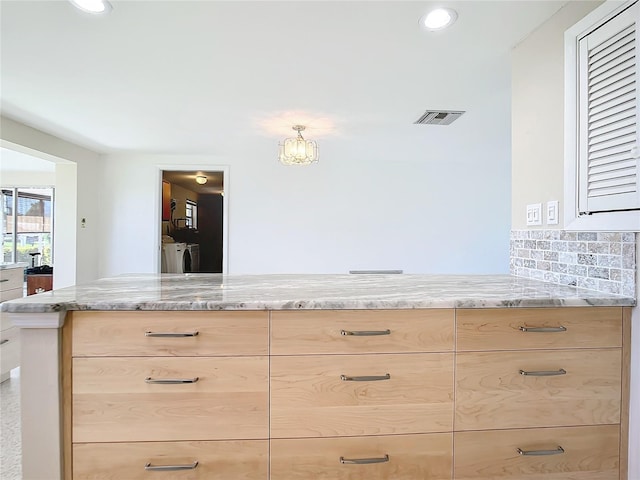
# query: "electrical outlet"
[[552, 212], [534, 214]]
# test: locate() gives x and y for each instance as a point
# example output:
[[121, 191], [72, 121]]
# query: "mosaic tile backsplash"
[[603, 261]]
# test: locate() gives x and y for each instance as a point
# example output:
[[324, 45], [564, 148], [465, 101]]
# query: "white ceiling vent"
[[438, 117]]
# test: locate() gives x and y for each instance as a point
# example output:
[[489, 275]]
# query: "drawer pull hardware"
[[170, 334], [2, 342], [364, 333], [543, 329], [4, 280], [171, 381], [540, 453], [544, 373], [364, 461], [365, 378], [170, 468]]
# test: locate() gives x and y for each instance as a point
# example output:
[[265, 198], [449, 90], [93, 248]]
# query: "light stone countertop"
[[9, 266], [291, 292]]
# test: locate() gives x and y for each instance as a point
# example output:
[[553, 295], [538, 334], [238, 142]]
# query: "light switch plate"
[[552, 212], [534, 214]]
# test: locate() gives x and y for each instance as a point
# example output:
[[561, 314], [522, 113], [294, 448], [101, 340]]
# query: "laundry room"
[[192, 221]]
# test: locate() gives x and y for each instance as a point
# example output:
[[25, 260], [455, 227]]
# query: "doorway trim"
[[225, 206]]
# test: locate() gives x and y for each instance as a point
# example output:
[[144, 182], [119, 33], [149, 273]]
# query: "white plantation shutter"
[[609, 178]]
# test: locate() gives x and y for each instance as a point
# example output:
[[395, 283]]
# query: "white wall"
[[27, 179], [422, 199], [538, 114], [77, 196]]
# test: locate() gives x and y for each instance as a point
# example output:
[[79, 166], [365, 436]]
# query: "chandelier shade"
[[297, 150]]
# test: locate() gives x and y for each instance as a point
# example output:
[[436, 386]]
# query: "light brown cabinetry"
[[183, 395], [362, 394], [521, 393], [521, 371], [397, 457]]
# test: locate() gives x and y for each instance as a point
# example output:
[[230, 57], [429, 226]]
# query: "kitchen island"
[[324, 376]]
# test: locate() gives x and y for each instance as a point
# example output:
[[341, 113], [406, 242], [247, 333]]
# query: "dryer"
[[177, 258], [194, 251]]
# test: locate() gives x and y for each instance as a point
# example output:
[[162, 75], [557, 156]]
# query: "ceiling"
[[187, 179], [205, 76]]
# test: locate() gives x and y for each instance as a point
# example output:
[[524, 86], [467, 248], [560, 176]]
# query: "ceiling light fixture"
[[439, 18], [297, 150], [201, 179], [92, 6]]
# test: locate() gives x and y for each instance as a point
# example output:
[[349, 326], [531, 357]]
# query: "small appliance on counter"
[[39, 277]]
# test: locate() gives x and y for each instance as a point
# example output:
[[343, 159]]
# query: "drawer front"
[[246, 460], [360, 331], [112, 401], [310, 398], [587, 453], [492, 393], [397, 457], [520, 328], [10, 279], [6, 295], [216, 333], [9, 349]]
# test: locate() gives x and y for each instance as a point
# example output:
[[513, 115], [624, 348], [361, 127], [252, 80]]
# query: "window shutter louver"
[[608, 112]]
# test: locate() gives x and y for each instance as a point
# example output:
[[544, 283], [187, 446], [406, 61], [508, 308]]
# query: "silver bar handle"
[[171, 334], [544, 373], [364, 461], [171, 381], [543, 329], [365, 378], [170, 468], [540, 453], [365, 333], [3, 341]]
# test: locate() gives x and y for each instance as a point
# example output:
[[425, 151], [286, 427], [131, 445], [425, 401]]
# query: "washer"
[[177, 259], [194, 250]]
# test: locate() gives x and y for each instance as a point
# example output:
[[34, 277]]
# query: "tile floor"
[[10, 449]]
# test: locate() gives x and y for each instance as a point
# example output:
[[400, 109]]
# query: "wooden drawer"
[[9, 351], [11, 279], [113, 402], [500, 328], [492, 393], [124, 333], [410, 457], [310, 399], [246, 460], [589, 453], [321, 331]]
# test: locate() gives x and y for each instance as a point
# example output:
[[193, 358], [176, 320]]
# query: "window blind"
[[609, 177]]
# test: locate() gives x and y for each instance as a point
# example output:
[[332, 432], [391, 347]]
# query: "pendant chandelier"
[[297, 150]]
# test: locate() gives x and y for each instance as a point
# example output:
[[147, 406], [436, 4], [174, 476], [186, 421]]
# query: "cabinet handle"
[[365, 378], [171, 381], [2, 280], [2, 342], [544, 373], [540, 453], [169, 468], [170, 334], [543, 329], [364, 333], [364, 461]]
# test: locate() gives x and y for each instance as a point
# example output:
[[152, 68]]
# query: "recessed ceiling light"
[[92, 6], [438, 19]]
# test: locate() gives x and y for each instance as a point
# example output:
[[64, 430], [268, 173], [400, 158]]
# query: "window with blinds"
[[609, 179]]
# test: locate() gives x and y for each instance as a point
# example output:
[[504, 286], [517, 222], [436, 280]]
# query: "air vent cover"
[[438, 117]]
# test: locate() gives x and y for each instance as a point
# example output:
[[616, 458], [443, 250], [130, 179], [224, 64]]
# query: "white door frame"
[[225, 207]]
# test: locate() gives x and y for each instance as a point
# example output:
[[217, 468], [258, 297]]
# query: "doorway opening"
[[193, 221]]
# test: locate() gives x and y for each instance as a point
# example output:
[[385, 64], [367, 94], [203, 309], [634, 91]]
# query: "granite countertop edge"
[[215, 292]]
